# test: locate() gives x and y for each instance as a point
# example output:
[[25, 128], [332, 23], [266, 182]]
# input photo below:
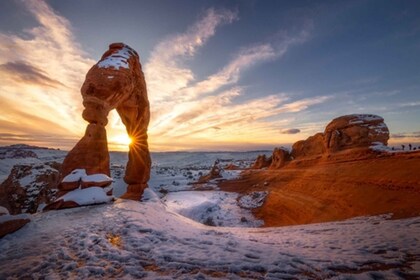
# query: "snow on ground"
[[175, 171], [214, 208], [171, 172], [43, 155], [129, 239], [159, 239]]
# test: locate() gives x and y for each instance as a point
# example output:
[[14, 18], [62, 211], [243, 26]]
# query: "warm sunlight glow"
[[120, 142]]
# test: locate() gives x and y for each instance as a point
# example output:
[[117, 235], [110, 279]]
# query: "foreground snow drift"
[[130, 239]]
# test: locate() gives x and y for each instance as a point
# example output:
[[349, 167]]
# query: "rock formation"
[[261, 162], [354, 131], [279, 158], [213, 174], [115, 82], [344, 172], [342, 133]]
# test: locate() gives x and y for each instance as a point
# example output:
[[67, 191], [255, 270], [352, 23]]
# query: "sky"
[[221, 75]]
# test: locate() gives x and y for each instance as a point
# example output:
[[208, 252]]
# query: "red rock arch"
[[115, 82]]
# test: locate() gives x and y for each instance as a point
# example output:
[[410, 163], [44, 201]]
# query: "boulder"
[[279, 158]]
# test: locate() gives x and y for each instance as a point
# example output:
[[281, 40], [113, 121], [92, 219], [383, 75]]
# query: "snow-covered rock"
[[78, 177], [29, 186], [83, 189], [117, 59]]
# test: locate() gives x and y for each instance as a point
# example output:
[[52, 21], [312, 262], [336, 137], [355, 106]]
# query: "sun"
[[122, 140]]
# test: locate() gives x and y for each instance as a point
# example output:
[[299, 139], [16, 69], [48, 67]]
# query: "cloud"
[[302, 104], [42, 70], [64, 142], [290, 131], [415, 134], [164, 71], [230, 74], [184, 108], [246, 58], [26, 73], [410, 104]]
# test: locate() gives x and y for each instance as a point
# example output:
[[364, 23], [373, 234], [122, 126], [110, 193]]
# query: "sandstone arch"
[[115, 82]]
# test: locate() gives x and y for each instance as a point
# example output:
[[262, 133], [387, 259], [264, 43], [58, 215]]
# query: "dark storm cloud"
[[22, 71]]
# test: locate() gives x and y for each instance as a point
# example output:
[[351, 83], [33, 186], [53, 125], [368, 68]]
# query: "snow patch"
[[150, 195], [117, 59], [361, 118], [92, 195], [230, 174], [74, 176], [380, 147], [253, 200], [80, 174]]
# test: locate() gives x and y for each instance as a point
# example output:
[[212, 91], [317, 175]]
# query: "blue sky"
[[221, 75]]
